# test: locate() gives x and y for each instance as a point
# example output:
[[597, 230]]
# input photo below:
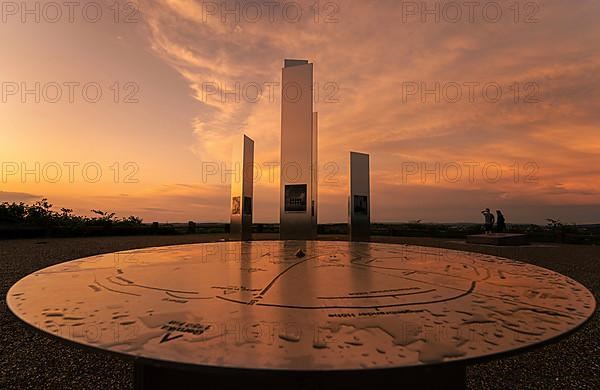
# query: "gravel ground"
[[31, 360]]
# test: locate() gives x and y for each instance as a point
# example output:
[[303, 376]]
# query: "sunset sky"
[[368, 58]]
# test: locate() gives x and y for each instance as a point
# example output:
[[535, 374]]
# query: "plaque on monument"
[[361, 205], [295, 198], [235, 205]]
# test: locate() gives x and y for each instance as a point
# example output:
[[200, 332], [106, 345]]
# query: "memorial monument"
[[359, 197], [298, 192], [306, 313], [242, 161]]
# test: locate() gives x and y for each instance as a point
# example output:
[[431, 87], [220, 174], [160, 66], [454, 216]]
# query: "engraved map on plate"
[[302, 305]]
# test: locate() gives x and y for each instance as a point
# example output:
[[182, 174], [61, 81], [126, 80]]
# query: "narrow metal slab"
[[301, 305], [298, 171], [359, 197], [242, 189]]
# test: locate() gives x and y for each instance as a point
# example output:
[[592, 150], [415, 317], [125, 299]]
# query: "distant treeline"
[[20, 220]]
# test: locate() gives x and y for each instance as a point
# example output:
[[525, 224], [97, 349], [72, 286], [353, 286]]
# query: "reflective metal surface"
[[261, 305], [314, 175], [298, 201], [242, 191], [359, 197]]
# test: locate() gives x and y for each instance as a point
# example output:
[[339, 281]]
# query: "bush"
[[40, 215]]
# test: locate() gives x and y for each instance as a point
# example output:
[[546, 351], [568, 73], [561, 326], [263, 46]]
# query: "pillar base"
[[443, 376]]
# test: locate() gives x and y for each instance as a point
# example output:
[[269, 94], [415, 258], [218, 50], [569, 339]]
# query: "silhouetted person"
[[500, 222], [489, 220]]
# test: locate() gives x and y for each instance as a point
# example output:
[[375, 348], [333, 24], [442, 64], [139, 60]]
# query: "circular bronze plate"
[[301, 305]]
